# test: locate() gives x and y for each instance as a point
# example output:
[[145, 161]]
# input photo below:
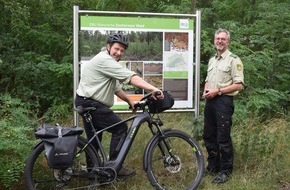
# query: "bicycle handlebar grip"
[[136, 105], [157, 93]]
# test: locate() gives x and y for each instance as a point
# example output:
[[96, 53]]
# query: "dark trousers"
[[216, 135], [103, 117]]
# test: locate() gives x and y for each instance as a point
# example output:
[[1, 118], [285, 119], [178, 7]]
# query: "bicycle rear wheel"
[[39, 176], [183, 170]]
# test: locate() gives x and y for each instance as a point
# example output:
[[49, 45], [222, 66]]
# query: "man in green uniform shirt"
[[100, 81], [224, 80]]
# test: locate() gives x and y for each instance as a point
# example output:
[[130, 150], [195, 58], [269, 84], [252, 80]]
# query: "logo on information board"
[[184, 23]]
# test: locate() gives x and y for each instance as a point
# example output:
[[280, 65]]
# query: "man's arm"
[[205, 89], [122, 95], [211, 93], [232, 88]]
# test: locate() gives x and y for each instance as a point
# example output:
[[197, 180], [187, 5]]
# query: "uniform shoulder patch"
[[234, 55], [239, 67]]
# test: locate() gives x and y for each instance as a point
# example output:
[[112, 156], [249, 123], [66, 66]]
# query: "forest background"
[[36, 78]]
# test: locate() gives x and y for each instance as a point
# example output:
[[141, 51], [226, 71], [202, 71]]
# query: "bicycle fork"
[[164, 145]]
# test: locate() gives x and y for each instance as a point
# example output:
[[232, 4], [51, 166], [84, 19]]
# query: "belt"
[[83, 97], [224, 96]]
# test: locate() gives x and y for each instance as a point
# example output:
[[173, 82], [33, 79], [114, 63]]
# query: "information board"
[[168, 66]]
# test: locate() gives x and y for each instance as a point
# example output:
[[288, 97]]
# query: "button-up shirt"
[[224, 70], [101, 77]]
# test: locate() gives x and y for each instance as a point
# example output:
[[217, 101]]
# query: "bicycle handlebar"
[[146, 100], [149, 96]]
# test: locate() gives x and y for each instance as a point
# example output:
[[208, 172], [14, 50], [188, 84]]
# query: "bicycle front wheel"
[[177, 166], [39, 176]]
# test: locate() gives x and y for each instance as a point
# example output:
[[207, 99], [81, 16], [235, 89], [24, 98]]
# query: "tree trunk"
[[193, 6]]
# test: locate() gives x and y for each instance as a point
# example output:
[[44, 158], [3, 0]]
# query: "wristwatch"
[[219, 93]]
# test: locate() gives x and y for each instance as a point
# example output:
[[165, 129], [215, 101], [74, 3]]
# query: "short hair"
[[222, 30]]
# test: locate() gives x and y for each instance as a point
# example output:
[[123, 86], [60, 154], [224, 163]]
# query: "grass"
[[261, 155]]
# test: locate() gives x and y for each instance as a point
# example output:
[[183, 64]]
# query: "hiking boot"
[[210, 172], [124, 172], [221, 178]]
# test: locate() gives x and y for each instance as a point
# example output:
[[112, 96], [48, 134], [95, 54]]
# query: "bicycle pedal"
[[160, 123]]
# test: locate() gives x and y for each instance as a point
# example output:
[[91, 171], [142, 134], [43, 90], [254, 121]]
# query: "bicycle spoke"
[[180, 168], [39, 176]]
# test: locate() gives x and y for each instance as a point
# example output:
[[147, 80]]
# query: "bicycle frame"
[[168, 151], [138, 119]]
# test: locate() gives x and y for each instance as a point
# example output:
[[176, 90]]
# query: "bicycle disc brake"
[[172, 164], [62, 175]]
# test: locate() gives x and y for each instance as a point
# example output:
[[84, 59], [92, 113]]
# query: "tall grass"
[[261, 155]]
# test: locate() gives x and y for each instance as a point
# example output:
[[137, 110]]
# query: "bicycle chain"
[[95, 183]]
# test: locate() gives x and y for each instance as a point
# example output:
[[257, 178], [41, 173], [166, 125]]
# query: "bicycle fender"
[[145, 156], [37, 144], [94, 148]]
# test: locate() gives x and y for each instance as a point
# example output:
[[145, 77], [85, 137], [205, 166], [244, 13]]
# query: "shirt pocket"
[[224, 74], [210, 69], [209, 73]]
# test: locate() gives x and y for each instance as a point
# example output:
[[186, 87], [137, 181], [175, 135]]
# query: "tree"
[[259, 34]]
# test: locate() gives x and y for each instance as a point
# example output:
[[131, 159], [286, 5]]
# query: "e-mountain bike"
[[172, 159]]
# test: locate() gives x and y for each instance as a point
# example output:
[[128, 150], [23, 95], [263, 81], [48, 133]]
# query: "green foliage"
[[268, 38], [143, 45], [197, 130], [267, 103], [15, 138], [91, 44], [36, 52], [261, 154], [178, 7], [261, 157], [58, 111], [38, 80], [260, 146], [124, 5], [142, 50], [36, 43], [259, 35]]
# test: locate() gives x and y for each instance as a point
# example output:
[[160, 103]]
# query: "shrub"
[[15, 144], [267, 103]]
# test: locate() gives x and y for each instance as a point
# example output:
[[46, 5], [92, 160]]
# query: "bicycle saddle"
[[82, 110]]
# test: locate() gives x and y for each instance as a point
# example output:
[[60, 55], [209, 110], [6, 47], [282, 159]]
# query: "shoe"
[[221, 178], [124, 172], [210, 172]]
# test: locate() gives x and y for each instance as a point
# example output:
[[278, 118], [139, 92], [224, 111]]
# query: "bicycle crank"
[[105, 174]]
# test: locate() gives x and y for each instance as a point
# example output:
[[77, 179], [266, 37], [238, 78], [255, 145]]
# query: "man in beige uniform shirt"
[[100, 81], [224, 80]]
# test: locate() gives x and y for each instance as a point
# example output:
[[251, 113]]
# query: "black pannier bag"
[[60, 144], [158, 106]]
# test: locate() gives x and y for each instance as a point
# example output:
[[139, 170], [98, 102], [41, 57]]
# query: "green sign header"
[[135, 23]]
